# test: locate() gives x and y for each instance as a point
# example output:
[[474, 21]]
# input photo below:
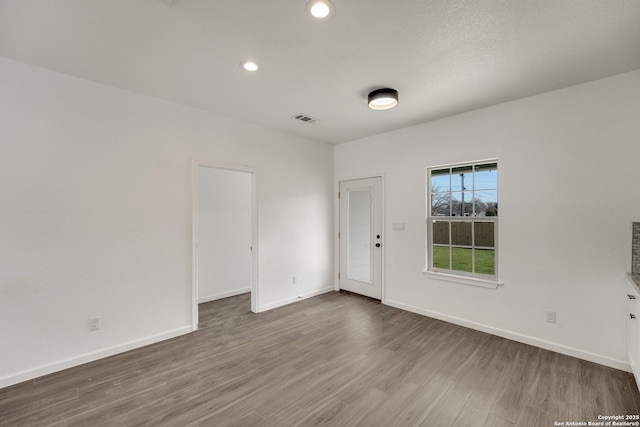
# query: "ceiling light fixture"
[[320, 8], [383, 99], [250, 65]]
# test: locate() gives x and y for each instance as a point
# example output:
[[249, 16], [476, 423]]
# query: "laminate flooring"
[[336, 360]]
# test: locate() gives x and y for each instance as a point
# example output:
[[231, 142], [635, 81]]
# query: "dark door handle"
[[377, 245], [631, 296], [633, 316], [378, 236]]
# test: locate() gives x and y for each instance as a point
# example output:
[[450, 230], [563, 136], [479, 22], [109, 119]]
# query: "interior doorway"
[[361, 237], [224, 234]]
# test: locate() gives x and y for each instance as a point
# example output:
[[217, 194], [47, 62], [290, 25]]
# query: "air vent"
[[304, 118]]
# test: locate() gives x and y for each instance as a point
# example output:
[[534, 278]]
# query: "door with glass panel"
[[361, 236]]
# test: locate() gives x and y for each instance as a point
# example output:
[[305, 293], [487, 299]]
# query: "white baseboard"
[[526, 339], [286, 301], [89, 357], [223, 295]]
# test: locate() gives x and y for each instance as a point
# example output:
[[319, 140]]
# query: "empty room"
[[313, 212]]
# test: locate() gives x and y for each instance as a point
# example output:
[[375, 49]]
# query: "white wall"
[[224, 233], [568, 191], [95, 216]]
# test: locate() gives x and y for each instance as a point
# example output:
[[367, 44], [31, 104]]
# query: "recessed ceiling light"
[[320, 8], [383, 99], [250, 65]]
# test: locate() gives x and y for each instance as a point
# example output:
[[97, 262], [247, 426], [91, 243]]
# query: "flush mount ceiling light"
[[320, 9], [250, 65], [383, 99]]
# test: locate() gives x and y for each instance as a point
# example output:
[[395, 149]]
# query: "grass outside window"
[[462, 260]]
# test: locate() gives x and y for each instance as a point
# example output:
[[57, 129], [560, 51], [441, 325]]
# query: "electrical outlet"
[[94, 323], [551, 316]]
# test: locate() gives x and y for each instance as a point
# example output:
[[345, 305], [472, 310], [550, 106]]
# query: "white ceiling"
[[443, 56]]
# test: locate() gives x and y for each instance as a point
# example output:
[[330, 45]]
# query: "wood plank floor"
[[338, 360]]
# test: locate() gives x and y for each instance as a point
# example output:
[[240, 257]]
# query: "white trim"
[[471, 162], [194, 245], [222, 295], [255, 289], [90, 357], [290, 300], [471, 281], [526, 339], [194, 234]]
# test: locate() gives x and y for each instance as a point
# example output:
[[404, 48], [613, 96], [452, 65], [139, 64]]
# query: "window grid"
[[475, 195]]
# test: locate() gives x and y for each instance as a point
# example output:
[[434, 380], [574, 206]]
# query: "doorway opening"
[[224, 235]]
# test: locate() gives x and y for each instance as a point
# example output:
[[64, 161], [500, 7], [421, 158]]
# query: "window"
[[462, 219]]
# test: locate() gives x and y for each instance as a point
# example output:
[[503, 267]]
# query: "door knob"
[[378, 236], [377, 245]]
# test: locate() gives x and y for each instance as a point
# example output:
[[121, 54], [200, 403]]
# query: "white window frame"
[[469, 278]]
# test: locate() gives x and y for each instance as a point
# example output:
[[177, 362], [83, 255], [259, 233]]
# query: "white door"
[[361, 236]]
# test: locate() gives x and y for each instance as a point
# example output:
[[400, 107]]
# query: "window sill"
[[471, 281]]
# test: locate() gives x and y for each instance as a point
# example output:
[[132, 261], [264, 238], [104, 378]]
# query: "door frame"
[[195, 165], [336, 285]]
